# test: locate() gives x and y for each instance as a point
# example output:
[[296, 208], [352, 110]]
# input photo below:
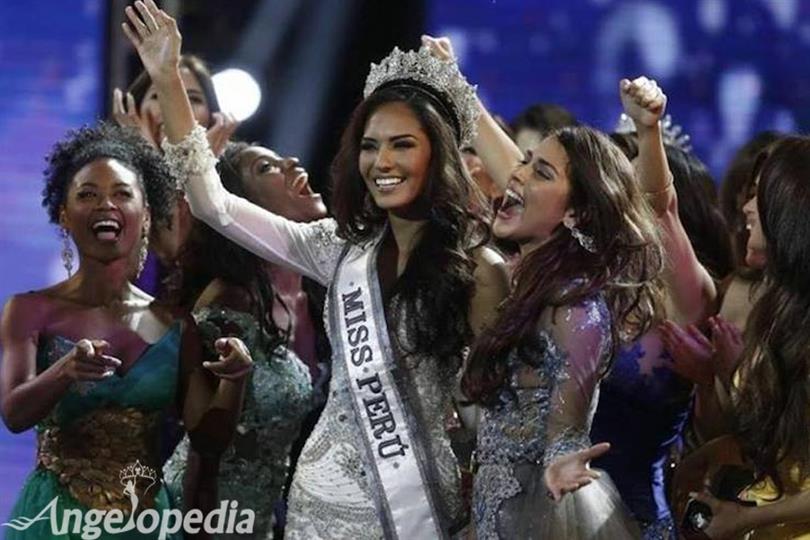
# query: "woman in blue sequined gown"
[[646, 399], [586, 281], [92, 362]]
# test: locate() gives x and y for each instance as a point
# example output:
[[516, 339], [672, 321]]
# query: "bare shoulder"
[[491, 287], [26, 314], [490, 268]]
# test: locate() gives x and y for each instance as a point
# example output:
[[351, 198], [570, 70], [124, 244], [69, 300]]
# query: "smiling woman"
[[408, 287], [92, 362], [587, 280]]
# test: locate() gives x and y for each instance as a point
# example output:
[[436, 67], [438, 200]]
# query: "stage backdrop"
[[50, 73], [729, 68]]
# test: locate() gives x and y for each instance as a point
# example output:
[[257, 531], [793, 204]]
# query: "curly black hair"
[[107, 140]]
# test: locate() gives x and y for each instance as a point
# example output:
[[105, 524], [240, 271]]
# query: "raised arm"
[[499, 154], [691, 292], [310, 249]]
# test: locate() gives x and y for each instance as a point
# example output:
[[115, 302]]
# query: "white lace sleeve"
[[311, 249]]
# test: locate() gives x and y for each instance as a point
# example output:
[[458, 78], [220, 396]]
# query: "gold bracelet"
[[663, 190]]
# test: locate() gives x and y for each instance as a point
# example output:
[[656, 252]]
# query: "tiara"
[[441, 79], [673, 133]]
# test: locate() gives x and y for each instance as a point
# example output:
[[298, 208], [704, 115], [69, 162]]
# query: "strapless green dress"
[[98, 450]]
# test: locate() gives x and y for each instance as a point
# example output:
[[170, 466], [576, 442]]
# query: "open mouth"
[[511, 203], [106, 229], [388, 183], [301, 187]]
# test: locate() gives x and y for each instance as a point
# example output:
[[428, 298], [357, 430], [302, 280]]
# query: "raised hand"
[[88, 361], [155, 36], [234, 359], [691, 352], [440, 47], [643, 101], [570, 472], [220, 132], [728, 344], [125, 114]]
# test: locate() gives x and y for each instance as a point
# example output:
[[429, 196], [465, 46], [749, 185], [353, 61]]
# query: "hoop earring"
[[67, 251]]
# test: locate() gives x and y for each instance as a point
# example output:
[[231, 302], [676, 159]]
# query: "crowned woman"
[[409, 286]]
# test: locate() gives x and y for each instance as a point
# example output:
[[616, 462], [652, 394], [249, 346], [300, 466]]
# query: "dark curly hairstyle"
[[108, 140], [208, 255], [625, 269], [437, 283]]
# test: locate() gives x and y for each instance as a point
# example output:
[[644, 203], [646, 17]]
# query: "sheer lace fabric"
[[544, 412], [330, 496]]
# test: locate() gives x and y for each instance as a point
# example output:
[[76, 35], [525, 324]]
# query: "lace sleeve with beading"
[[311, 249], [582, 334]]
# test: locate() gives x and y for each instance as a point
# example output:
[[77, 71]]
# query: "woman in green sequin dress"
[[231, 292]]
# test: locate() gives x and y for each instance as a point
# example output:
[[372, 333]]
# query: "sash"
[[405, 502]]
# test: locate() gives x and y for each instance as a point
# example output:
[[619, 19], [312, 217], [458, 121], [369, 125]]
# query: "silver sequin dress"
[[544, 412], [331, 496]]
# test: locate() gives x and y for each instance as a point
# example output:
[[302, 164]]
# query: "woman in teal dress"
[[92, 362]]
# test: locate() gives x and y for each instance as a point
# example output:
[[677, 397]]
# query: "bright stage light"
[[238, 92]]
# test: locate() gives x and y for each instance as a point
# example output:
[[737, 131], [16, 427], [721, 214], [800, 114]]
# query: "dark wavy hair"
[[207, 255], [772, 402], [699, 212], [736, 189], [195, 65], [625, 269], [543, 118], [108, 140], [437, 283]]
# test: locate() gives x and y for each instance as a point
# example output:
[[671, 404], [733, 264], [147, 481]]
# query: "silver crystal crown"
[[672, 133], [441, 76]]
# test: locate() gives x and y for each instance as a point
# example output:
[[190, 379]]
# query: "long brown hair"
[[736, 189], [772, 402], [625, 268], [437, 283]]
